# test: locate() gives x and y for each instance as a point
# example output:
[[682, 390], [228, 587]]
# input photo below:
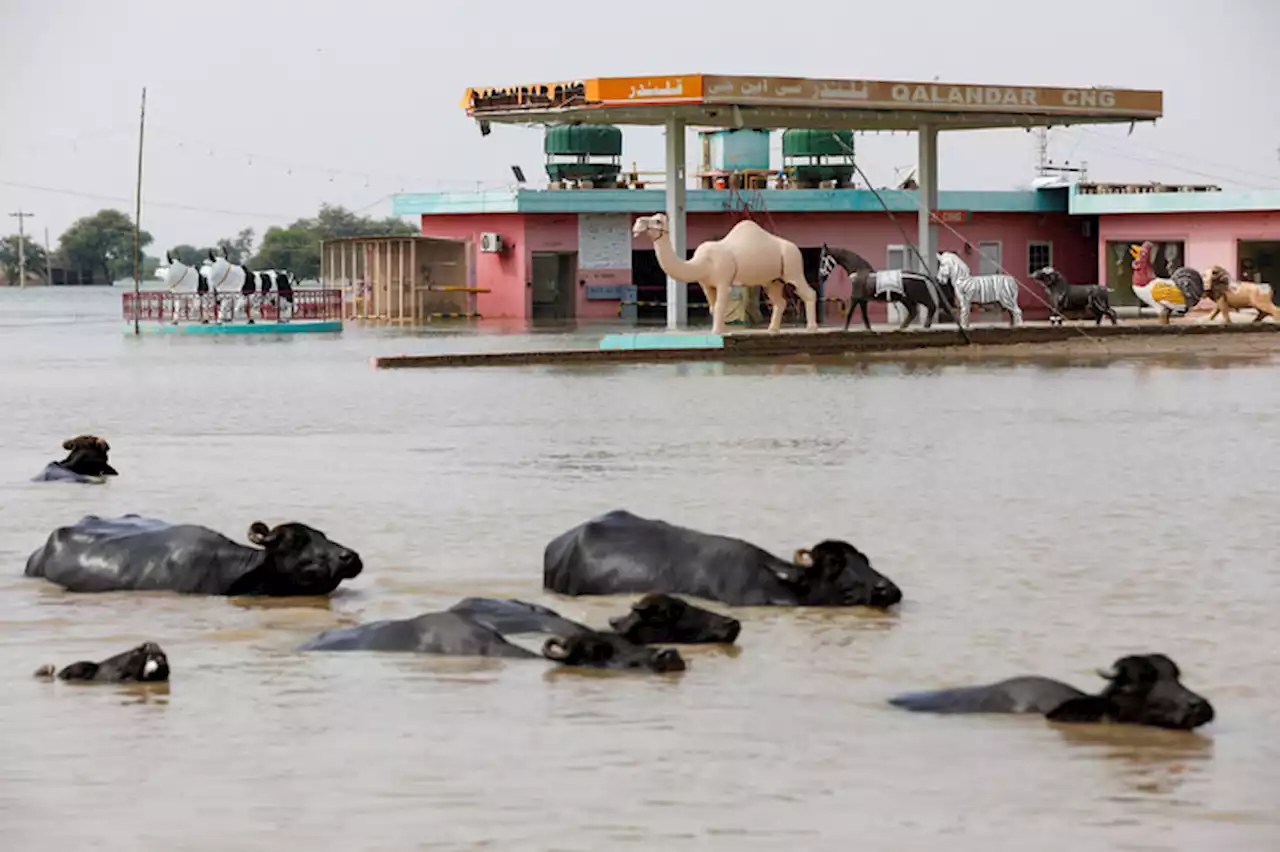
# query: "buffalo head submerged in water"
[[619, 553], [86, 461], [610, 651], [146, 663], [132, 553], [1143, 689], [662, 618]]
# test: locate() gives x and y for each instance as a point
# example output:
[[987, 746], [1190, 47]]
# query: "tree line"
[[102, 245]]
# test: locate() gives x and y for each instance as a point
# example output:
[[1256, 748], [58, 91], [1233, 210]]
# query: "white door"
[[990, 258]]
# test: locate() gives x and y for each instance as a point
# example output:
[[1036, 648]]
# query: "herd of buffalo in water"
[[613, 554]]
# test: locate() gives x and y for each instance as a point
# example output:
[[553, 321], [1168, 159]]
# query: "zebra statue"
[[978, 290]]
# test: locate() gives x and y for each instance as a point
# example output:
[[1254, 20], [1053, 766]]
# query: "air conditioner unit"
[[491, 243]]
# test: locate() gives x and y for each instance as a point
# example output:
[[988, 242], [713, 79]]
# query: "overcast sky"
[[259, 110]]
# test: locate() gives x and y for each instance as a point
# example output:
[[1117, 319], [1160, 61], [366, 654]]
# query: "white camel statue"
[[747, 256]]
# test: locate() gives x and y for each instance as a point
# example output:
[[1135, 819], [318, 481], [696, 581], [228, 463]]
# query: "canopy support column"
[[677, 291], [927, 170]]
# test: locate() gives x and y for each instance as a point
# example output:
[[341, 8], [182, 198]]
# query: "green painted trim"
[[662, 341], [1174, 202], [718, 201], [321, 327]]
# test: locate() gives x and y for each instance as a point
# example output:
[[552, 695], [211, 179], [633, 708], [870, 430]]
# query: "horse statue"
[[978, 289], [1064, 296], [909, 289], [1177, 294], [1228, 295]]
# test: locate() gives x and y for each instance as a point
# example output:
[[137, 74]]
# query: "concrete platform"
[[299, 327], [792, 343]]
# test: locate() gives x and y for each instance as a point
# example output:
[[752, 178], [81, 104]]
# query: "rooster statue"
[[1177, 294]]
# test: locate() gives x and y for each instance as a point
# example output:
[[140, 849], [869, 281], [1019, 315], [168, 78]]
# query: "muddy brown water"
[[1040, 517]]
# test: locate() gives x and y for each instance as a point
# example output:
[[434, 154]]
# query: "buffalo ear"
[[1090, 708], [259, 533]]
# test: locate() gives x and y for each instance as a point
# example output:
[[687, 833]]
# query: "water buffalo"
[[619, 552], [146, 663], [451, 633], [86, 461], [1141, 690], [659, 618], [653, 620], [132, 553], [459, 633]]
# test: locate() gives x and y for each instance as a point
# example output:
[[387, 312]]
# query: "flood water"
[[1038, 518]]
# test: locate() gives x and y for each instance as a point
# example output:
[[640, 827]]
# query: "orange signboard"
[[645, 90]]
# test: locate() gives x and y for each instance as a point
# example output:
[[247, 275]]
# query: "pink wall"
[[506, 274], [869, 234], [1210, 238]]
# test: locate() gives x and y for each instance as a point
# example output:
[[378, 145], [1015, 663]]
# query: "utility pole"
[[137, 221], [22, 245], [48, 261], [1044, 165]]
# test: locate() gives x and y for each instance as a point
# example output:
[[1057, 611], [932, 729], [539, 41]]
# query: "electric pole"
[[48, 261], [22, 245]]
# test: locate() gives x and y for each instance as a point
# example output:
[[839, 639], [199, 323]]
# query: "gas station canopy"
[[794, 102]]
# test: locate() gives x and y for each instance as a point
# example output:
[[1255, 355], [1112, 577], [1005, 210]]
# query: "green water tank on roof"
[[592, 140], [817, 143], [580, 152]]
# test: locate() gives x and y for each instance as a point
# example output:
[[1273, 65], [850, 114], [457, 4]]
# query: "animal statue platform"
[[1228, 295], [228, 298], [747, 256], [1176, 295]]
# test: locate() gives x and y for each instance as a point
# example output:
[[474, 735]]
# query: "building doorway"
[[553, 285], [1260, 263], [1167, 256]]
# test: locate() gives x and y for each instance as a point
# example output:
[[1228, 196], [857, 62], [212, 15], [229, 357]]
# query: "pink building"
[[1239, 231], [569, 254]]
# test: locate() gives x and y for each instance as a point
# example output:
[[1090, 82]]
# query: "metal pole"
[[22, 245], [137, 221], [677, 291], [928, 193], [48, 261]]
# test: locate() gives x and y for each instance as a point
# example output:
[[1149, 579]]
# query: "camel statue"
[[1228, 295], [747, 256]]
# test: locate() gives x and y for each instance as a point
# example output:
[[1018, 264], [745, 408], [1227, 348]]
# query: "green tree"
[[9, 257], [297, 247], [292, 248], [102, 243], [189, 255]]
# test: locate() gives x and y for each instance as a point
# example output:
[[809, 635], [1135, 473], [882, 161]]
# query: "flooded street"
[[1039, 519]]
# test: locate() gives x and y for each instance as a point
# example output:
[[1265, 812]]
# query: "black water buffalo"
[[86, 461], [132, 553], [655, 619], [619, 552], [450, 633], [659, 618], [459, 632], [1142, 690], [146, 663]]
